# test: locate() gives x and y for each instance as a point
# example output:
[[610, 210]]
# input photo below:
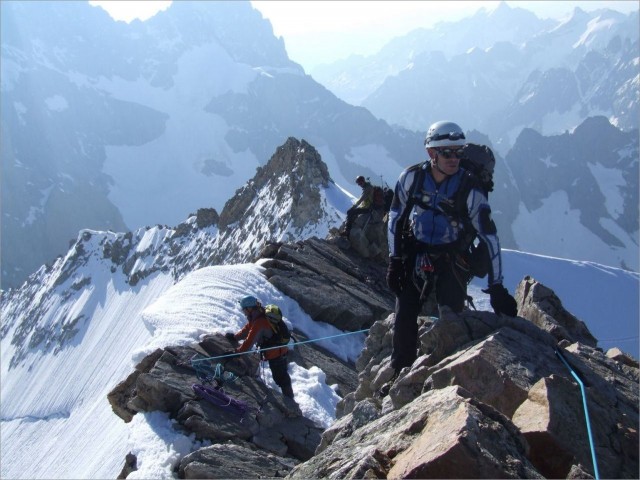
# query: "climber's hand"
[[396, 275], [501, 300]]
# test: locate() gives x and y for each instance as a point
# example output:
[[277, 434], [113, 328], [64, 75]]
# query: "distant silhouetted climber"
[[363, 204]]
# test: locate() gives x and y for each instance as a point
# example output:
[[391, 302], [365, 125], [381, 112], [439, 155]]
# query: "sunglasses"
[[448, 152]]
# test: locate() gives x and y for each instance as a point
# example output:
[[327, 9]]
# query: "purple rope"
[[220, 399]]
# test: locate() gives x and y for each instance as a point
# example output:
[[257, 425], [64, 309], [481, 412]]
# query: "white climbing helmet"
[[444, 134]]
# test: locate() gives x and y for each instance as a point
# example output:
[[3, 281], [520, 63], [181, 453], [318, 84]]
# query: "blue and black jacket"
[[439, 218]]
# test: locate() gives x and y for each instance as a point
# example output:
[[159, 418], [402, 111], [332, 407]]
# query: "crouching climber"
[[365, 225], [264, 333], [362, 205]]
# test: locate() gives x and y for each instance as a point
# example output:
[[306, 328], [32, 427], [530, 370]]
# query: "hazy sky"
[[322, 31]]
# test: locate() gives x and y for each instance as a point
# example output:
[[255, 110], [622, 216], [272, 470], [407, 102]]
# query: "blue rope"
[[279, 346], [586, 415], [208, 373]]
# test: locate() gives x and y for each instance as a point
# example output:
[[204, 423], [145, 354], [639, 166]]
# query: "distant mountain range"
[[114, 126], [500, 71]]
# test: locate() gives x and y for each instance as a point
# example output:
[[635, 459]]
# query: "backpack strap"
[[402, 225], [460, 210]]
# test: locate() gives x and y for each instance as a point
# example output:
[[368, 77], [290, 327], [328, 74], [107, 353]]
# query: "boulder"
[[368, 236], [233, 461], [120, 396], [550, 420], [498, 370], [488, 396], [541, 306], [621, 357], [267, 422], [441, 434]]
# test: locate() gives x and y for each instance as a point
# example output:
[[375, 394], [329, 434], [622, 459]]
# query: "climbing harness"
[[586, 413], [423, 275]]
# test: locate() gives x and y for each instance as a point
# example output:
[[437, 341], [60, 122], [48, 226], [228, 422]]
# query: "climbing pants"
[[449, 292], [279, 370]]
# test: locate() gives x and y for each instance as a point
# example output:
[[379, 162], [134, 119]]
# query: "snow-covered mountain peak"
[[291, 197]]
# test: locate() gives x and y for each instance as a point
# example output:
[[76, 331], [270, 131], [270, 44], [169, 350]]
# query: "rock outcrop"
[[332, 285], [488, 396], [268, 433]]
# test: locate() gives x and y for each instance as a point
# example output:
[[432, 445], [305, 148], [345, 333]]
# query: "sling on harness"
[[208, 373]]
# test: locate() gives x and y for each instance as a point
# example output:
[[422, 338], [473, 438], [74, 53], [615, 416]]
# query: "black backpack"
[[382, 198], [479, 160]]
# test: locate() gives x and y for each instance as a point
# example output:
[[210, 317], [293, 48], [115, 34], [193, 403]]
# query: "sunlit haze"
[[129, 10], [318, 31]]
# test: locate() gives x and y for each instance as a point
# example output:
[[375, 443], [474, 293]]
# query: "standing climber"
[[362, 205], [258, 331], [434, 203]]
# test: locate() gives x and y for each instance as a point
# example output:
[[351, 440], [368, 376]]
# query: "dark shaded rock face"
[[332, 285]]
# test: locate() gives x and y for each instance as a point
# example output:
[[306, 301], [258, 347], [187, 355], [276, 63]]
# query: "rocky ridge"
[[488, 396], [285, 201]]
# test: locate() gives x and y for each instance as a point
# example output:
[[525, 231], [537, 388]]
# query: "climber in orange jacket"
[[258, 332]]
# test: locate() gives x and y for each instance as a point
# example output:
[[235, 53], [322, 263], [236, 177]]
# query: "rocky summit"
[[488, 396]]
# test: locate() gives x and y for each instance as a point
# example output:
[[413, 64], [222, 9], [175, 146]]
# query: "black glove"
[[501, 300], [396, 275], [230, 336]]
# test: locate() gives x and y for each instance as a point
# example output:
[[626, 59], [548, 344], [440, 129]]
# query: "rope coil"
[[219, 398]]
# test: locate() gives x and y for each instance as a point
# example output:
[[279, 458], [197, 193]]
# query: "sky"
[[320, 31], [54, 406]]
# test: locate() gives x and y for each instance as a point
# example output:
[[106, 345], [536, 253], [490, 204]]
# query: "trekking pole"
[[586, 413]]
